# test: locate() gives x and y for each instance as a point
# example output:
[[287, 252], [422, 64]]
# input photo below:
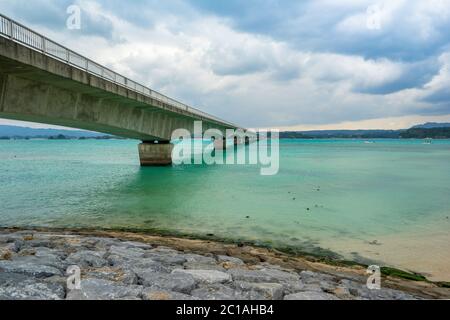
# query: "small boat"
[[428, 141]]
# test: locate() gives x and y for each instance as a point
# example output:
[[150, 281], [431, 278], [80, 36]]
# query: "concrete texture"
[[155, 154]]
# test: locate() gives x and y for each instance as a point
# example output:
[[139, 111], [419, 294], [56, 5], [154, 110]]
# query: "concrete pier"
[[155, 154]]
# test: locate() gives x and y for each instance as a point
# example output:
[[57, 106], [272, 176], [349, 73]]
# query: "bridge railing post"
[[44, 50], [10, 29]]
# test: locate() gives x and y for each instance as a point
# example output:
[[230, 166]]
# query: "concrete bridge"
[[42, 81]]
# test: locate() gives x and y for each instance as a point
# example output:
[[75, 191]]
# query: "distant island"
[[428, 130], [25, 133]]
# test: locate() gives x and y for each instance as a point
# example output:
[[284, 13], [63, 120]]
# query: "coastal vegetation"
[[412, 133]]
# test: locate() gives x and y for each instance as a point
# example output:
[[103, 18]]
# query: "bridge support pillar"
[[155, 154]]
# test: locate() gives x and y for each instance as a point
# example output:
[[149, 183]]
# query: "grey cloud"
[[415, 75]]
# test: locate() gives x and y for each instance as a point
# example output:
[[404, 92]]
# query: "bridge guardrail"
[[24, 35]]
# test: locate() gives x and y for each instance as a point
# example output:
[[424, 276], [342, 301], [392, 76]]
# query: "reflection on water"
[[328, 192]]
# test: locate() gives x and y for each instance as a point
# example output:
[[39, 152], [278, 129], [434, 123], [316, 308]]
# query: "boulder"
[[177, 282], [99, 289], [21, 287], [208, 276], [29, 268], [87, 259]]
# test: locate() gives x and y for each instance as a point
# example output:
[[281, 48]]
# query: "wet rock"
[[99, 289], [29, 268], [270, 291], [177, 282], [20, 287], [208, 276], [87, 259], [310, 295]]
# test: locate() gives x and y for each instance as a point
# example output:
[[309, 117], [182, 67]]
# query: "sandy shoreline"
[[253, 258]]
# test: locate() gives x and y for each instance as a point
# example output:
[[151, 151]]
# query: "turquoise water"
[[354, 192]]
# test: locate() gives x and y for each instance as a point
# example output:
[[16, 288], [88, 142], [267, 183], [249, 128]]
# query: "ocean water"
[[386, 202]]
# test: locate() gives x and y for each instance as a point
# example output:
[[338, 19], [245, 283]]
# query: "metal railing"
[[17, 32]]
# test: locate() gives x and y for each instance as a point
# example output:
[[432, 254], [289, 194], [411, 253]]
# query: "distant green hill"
[[25, 132], [431, 125], [421, 133], [344, 134], [427, 130]]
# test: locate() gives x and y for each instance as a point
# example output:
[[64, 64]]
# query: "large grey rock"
[[316, 277], [197, 258], [99, 289], [360, 291], [119, 275], [203, 266], [232, 260], [222, 292], [126, 252], [50, 260], [44, 252], [104, 243], [178, 282], [146, 264], [166, 258], [208, 276], [159, 294], [20, 287], [87, 258], [263, 275], [135, 244], [310, 295], [29, 268], [40, 243], [165, 250], [270, 291]]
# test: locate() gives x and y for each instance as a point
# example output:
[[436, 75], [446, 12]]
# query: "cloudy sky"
[[267, 63]]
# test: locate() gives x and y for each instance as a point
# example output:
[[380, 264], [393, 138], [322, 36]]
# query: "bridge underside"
[[37, 88]]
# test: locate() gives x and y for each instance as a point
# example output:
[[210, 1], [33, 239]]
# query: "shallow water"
[[365, 200]]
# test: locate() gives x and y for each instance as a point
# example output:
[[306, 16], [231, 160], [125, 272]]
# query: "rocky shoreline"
[[120, 265]]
